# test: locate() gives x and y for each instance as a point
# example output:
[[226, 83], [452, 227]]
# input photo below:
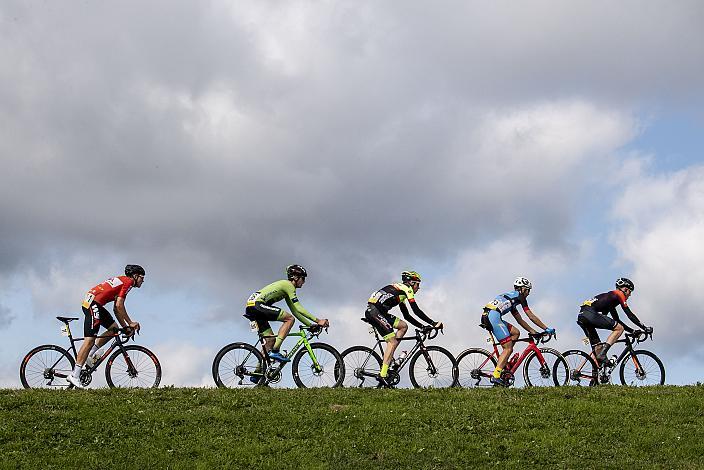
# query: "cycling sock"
[[77, 370], [384, 370], [277, 343], [497, 373]]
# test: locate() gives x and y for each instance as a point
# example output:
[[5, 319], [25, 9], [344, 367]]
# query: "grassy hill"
[[205, 428]]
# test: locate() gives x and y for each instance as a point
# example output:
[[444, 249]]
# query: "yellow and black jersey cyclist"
[[593, 314], [377, 314], [261, 310]]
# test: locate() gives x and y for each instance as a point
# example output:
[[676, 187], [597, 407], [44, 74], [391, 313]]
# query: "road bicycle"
[[637, 367], [541, 366], [47, 366], [428, 366], [315, 364]]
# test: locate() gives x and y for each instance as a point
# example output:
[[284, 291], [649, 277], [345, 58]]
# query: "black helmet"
[[408, 276], [132, 269], [296, 270], [624, 282]]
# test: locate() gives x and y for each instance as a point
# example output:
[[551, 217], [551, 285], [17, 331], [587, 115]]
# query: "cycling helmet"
[[522, 282], [625, 282], [410, 276], [295, 270], [132, 269]]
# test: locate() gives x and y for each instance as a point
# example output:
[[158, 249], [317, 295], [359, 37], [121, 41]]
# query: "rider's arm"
[[298, 311], [522, 322], [419, 313], [632, 316], [614, 314], [121, 312], [533, 317], [409, 318]]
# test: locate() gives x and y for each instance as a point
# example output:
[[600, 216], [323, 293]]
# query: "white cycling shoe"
[[76, 382]]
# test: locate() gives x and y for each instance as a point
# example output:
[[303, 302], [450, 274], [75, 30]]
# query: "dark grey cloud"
[[232, 141]]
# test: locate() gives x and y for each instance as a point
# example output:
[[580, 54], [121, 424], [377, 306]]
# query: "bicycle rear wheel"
[[642, 368], [475, 368], [238, 365], [46, 366], [325, 368], [362, 364], [554, 372], [433, 367], [135, 367], [583, 370]]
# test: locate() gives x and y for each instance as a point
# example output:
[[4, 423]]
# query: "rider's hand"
[[439, 325], [323, 322], [550, 331], [648, 330], [135, 326]]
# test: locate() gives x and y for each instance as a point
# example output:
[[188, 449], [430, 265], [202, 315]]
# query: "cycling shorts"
[[590, 317], [96, 316], [383, 322], [262, 314], [500, 328]]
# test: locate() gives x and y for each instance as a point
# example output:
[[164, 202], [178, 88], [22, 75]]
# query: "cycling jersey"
[[507, 302], [276, 291], [108, 291], [607, 303], [392, 295]]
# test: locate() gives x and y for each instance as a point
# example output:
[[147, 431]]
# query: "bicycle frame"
[[531, 347], [419, 337], [303, 340]]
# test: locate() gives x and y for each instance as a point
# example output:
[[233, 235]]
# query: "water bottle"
[[402, 356], [512, 361]]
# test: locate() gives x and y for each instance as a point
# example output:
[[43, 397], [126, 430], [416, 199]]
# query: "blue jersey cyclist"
[[504, 332]]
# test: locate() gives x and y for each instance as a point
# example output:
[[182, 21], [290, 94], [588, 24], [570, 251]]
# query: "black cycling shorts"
[[95, 317], [262, 314], [589, 319], [383, 322]]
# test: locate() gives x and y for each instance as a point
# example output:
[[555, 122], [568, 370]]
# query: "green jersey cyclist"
[[377, 314], [260, 309]]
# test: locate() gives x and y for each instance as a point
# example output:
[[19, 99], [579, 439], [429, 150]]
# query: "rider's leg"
[[391, 345], [507, 345], [613, 337], [402, 328], [95, 316], [285, 329]]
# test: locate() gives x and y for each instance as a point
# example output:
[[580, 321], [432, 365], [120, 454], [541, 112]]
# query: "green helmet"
[[410, 276]]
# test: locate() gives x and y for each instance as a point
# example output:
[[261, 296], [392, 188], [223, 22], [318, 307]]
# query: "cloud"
[[661, 225]]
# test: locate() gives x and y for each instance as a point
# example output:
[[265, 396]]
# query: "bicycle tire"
[[652, 367], [437, 368], [554, 372], [358, 359], [475, 367], [583, 369], [237, 365], [144, 371], [47, 362], [331, 373]]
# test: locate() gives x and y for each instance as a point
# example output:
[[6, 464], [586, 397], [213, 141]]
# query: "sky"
[[217, 142]]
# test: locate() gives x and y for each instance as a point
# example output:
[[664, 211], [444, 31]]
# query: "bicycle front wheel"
[[46, 366], [433, 367], [133, 367], [552, 372], [583, 370], [642, 368], [238, 365], [362, 365], [324, 368], [475, 368]]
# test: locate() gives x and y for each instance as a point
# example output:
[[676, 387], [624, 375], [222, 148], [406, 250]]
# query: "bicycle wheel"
[[583, 369], [46, 366], [325, 368], [361, 365], [135, 367], [642, 368], [433, 367], [554, 372], [238, 365], [475, 368]]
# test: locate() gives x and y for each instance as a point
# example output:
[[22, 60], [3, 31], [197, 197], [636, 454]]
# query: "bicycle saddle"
[[66, 319], [364, 319]]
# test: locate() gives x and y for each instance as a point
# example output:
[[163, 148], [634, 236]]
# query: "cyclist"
[[377, 314], [260, 309], [592, 315], [504, 332], [96, 315]]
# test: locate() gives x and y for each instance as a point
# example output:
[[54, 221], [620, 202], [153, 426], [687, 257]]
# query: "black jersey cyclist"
[[261, 309], [377, 313], [593, 314]]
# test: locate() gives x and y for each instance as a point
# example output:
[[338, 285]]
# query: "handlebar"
[[542, 337], [639, 335], [314, 329], [125, 333], [430, 332]]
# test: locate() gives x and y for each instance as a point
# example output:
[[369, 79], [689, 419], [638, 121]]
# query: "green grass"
[[615, 427]]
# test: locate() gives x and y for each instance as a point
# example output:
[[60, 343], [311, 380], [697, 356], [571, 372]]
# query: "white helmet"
[[522, 282]]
